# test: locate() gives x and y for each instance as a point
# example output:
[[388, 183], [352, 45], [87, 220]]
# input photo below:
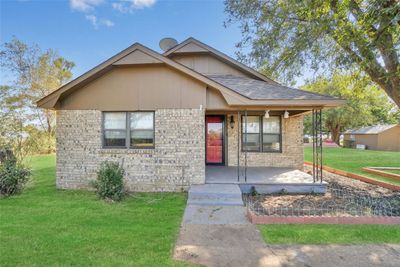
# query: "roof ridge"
[[222, 55], [110, 61]]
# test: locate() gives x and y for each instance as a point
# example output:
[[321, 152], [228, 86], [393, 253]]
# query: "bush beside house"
[[109, 184]]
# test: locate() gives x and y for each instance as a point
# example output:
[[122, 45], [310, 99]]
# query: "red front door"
[[214, 139]]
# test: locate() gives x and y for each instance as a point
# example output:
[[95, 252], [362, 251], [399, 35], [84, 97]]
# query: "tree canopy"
[[365, 104], [35, 73], [285, 36]]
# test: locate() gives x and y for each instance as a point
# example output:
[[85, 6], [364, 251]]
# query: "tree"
[[285, 36], [365, 103], [36, 73]]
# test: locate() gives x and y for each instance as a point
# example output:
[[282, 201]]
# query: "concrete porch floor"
[[265, 179]]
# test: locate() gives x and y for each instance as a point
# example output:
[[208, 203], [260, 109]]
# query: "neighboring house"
[[378, 137], [168, 116]]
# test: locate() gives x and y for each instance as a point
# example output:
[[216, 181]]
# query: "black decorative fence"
[[338, 201]]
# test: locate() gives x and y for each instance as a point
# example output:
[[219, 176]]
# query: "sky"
[[88, 32]]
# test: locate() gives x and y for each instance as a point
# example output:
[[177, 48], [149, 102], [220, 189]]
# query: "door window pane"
[[214, 139]]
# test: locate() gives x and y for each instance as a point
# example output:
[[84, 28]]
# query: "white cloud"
[[107, 23], [126, 6], [92, 19], [120, 7], [143, 3], [84, 5], [99, 22]]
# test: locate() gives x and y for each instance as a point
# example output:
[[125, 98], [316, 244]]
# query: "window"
[[142, 129], [128, 129], [271, 134], [115, 129], [263, 134], [251, 137]]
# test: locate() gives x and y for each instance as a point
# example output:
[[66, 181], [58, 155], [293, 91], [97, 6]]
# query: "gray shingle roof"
[[260, 90], [375, 129]]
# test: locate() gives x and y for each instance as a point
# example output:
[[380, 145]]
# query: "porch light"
[[232, 122], [266, 114], [286, 115]]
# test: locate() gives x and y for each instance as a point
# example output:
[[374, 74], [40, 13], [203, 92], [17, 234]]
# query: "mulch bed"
[[345, 197]]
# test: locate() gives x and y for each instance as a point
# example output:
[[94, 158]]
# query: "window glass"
[[271, 142], [142, 129], [271, 125], [253, 124], [142, 120], [114, 138], [252, 143], [114, 120], [251, 140], [271, 134], [114, 129]]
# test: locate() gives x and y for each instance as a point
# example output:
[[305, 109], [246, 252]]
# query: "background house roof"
[[260, 90], [375, 129]]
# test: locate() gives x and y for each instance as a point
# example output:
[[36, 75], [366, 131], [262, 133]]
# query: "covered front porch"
[[264, 150], [265, 179]]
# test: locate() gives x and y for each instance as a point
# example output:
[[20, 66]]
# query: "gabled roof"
[[236, 91], [259, 90], [375, 129], [191, 45], [135, 54]]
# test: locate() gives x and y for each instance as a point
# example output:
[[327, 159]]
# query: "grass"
[[352, 160], [330, 234], [48, 227], [393, 171]]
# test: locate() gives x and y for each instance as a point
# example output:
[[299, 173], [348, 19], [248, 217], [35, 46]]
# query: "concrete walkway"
[[221, 235]]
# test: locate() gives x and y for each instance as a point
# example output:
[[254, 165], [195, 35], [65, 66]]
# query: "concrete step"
[[215, 194]]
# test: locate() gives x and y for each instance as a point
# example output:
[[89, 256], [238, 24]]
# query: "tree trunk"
[[335, 134]]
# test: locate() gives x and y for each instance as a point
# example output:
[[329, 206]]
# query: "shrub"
[[253, 191], [109, 184], [13, 176]]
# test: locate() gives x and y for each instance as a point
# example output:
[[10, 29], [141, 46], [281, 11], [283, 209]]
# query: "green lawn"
[[330, 234], [48, 227], [352, 160], [393, 171]]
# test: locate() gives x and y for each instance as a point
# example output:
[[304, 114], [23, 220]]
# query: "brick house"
[[169, 117]]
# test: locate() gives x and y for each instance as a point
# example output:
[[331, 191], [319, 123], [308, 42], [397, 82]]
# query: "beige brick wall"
[[292, 147], [176, 162]]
